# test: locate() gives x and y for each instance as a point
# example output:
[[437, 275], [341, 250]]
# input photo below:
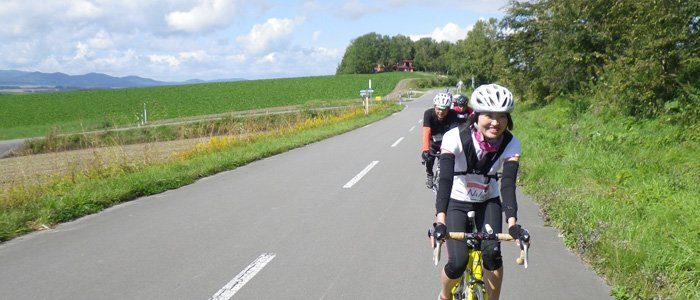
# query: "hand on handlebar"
[[521, 235], [437, 233], [425, 156]]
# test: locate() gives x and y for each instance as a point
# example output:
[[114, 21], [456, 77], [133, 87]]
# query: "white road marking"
[[243, 277], [360, 175], [414, 127], [397, 142]]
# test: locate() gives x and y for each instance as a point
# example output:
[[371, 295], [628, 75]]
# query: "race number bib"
[[477, 191]]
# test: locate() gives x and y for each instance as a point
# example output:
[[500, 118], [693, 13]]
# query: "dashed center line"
[[360, 175], [397, 142], [243, 277]]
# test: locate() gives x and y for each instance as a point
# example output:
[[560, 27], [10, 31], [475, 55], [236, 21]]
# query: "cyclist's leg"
[[457, 258], [429, 165], [492, 214], [434, 151]]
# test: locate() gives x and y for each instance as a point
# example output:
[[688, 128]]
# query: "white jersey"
[[452, 143]]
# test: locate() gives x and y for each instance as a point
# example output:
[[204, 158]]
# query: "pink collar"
[[488, 146]]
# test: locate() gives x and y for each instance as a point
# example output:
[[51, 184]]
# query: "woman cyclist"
[[436, 121], [470, 156]]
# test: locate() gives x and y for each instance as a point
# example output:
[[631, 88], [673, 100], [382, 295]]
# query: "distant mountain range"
[[14, 79]]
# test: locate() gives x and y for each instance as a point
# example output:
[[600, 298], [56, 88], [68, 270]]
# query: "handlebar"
[[431, 153], [478, 236], [524, 242]]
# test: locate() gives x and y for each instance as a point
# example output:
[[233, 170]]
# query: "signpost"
[[366, 95]]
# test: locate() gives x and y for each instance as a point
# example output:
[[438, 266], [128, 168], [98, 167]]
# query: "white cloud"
[[481, 6], [274, 35], [207, 16], [354, 10], [83, 10], [102, 40], [122, 62], [451, 33], [83, 51], [164, 60], [200, 55], [315, 35], [270, 58]]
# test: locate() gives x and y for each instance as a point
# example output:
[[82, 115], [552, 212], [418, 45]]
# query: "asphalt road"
[[299, 225]]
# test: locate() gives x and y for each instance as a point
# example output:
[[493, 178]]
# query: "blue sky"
[[176, 40]]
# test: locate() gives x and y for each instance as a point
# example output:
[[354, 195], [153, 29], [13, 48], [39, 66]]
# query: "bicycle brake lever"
[[436, 252], [526, 245], [525, 250]]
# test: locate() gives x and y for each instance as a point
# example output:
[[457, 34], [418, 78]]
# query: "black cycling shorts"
[[488, 212]]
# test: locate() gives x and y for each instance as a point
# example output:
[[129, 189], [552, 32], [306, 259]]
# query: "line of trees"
[[642, 56]]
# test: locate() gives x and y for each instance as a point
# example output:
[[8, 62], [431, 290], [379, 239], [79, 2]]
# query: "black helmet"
[[462, 100]]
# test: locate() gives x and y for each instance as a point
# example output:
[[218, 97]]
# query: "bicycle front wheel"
[[436, 178], [477, 293]]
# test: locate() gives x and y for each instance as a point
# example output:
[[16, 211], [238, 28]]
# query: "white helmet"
[[442, 100], [492, 98]]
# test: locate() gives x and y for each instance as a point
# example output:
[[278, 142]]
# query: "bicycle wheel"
[[458, 292], [477, 293], [436, 178]]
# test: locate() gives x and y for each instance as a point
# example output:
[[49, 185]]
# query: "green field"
[[33, 115]]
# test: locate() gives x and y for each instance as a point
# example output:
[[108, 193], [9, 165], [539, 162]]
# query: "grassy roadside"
[[24, 208], [623, 192]]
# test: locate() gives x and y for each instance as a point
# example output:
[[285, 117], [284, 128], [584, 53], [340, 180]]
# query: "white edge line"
[[397, 142], [243, 277], [414, 127], [360, 175]]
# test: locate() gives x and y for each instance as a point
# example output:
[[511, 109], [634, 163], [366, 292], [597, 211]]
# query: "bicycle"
[[436, 173], [471, 286]]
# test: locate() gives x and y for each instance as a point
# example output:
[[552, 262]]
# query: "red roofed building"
[[403, 66]]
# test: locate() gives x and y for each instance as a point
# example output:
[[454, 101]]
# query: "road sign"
[[365, 92]]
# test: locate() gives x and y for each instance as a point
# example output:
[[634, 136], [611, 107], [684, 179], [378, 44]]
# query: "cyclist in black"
[[470, 156], [436, 121], [462, 107]]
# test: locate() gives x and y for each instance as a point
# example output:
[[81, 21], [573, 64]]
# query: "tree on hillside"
[[370, 50], [556, 45], [658, 56], [646, 53], [362, 55], [425, 54], [477, 54], [401, 48], [441, 61]]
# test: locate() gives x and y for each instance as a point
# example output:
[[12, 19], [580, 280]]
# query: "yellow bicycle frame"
[[474, 275], [475, 272]]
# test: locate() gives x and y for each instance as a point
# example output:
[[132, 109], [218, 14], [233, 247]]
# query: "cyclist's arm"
[[427, 132], [447, 165], [508, 180], [426, 138], [441, 217]]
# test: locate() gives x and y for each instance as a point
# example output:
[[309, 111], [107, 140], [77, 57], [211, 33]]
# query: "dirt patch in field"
[[401, 90], [31, 168]]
